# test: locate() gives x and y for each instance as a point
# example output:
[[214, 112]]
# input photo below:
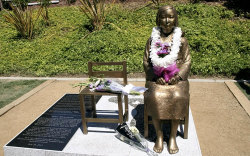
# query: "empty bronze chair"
[[86, 92]]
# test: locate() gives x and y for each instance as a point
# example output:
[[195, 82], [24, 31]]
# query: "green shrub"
[[219, 43]]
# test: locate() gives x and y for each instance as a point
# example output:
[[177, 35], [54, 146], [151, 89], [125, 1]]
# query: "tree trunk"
[[1, 5]]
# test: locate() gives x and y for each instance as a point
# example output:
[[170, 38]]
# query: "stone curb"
[[129, 79], [230, 84], [24, 97], [242, 99]]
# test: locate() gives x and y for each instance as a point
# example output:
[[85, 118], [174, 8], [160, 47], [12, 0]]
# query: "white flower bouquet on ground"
[[104, 85], [131, 136]]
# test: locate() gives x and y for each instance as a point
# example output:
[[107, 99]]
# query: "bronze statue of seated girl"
[[167, 64]]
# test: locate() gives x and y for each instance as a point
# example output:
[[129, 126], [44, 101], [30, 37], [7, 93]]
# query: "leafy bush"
[[219, 44], [240, 7]]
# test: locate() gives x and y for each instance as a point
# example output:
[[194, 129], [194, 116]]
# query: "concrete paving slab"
[[222, 125], [109, 145], [101, 138]]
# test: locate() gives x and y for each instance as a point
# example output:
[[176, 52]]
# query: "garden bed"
[[219, 43]]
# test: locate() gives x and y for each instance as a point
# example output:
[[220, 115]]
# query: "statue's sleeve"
[[185, 67], [147, 63]]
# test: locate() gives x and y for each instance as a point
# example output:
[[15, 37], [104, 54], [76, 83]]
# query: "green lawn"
[[10, 90]]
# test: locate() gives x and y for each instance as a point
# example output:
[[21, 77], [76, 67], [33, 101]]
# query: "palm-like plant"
[[95, 11], [21, 4], [21, 20]]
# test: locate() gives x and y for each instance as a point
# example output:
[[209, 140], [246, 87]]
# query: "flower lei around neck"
[[164, 55]]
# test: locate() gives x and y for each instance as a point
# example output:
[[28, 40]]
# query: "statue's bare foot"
[[158, 145], [172, 146]]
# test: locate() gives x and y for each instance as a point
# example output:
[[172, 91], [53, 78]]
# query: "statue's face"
[[167, 20]]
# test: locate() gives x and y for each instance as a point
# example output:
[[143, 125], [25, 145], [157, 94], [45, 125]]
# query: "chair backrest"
[[111, 74]]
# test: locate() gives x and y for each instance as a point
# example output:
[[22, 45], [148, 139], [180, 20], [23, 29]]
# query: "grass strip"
[[11, 90]]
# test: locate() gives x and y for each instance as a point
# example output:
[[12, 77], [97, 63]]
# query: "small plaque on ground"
[[53, 129]]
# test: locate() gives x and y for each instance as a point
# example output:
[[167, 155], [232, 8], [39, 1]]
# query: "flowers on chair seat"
[[104, 85]]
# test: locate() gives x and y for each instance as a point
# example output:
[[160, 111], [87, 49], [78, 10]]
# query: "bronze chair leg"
[[145, 120], [186, 124], [126, 107], [82, 108], [93, 106], [120, 109]]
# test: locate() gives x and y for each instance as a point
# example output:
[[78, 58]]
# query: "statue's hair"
[[163, 8]]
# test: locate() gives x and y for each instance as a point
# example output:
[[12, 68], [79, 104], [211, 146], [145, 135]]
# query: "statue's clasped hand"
[[174, 80], [160, 81]]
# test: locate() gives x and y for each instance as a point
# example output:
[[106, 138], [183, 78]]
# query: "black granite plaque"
[[53, 129]]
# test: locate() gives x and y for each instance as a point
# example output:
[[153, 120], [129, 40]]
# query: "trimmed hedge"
[[219, 43]]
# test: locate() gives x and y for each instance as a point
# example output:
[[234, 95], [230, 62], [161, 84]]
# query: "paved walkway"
[[222, 124]]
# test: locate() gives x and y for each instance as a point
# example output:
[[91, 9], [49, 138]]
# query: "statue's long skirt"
[[167, 101]]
